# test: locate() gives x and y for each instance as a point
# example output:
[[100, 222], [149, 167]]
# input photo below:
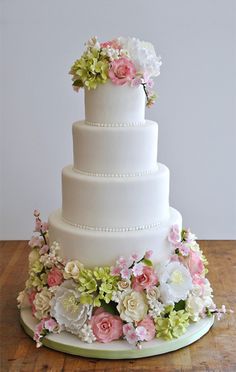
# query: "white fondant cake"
[[115, 198]]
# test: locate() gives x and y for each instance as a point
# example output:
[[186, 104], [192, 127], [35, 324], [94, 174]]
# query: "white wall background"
[[196, 106]]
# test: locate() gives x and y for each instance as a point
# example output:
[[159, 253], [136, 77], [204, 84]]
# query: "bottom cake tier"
[[68, 343], [100, 248]]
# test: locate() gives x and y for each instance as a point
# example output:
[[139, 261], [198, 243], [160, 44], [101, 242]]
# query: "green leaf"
[[179, 305], [147, 262], [110, 308]]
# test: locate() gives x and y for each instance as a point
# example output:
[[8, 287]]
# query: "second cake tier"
[[115, 203]]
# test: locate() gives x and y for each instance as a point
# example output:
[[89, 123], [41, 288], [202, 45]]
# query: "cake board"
[[70, 344]]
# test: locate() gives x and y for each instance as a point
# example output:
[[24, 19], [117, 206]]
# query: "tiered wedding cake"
[[113, 269], [115, 196]]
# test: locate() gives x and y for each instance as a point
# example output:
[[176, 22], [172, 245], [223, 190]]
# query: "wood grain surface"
[[216, 351]]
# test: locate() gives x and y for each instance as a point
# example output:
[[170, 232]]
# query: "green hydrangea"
[[90, 70], [36, 280], [107, 283], [96, 285], [173, 325]]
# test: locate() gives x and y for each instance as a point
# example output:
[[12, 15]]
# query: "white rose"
[[132, 306], [123, 284], [66, 308], [153, 293], [72, 269], [42, 303]]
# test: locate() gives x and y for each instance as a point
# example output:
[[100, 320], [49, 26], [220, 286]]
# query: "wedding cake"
[[113, 266]]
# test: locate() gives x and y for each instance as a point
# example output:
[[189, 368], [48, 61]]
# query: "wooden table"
[[216, 351]]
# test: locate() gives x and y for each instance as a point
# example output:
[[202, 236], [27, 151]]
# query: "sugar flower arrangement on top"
[[133, 300], [122, 61]]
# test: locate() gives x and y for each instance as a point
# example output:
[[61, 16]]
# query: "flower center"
[[70, 303], [177, 277]]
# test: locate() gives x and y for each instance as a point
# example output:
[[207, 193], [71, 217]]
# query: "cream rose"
[[72, 269], [123, 284], [42, 303], [132, 306]]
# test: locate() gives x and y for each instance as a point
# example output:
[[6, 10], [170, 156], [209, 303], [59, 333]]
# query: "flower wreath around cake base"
[[134, 300]]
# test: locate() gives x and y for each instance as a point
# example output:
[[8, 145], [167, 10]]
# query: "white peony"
[[42, 303], [175, 282], [72, 269], [143, 55], [132, 306], [66, 308]]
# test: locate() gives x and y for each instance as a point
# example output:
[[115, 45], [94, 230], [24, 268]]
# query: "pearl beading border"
[[113, 229], [116, 175], [107, 125]]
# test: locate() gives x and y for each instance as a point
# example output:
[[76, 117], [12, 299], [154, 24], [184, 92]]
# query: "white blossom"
[[143, 55], [175, 282], [86, 334], [67, 309]]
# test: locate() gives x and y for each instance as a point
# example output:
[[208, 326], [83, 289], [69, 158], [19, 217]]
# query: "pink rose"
[[195, 264], [149, 325], [111, 44], [31, 297], [106, 327], [146, 280], [174, 235], [55, 277], [121, 71]]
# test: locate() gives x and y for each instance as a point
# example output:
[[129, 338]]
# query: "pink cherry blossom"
[[148, 254], [141, 333], [183, 249], [121, 71], [106, 327], [138, 269], [44, 227], [115, 270], [50, 324], [36, 213], [125, 273], [149, 325], [132, 337], [44, 249], [114, 44], [127, 328], [136, 82], [146, 280], [174, 235], [35, 241], [55, 277], [38, 225]]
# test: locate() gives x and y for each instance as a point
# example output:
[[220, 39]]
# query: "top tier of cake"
[[110, 104]]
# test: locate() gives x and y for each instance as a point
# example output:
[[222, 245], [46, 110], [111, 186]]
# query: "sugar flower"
[[66, 308], [175, 282], [143, 55], [121, 71], [42, 303], [55, 277], [106, 327], [149, 327], [72, 269], [145, 280], [174, 235], [132, 306]]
